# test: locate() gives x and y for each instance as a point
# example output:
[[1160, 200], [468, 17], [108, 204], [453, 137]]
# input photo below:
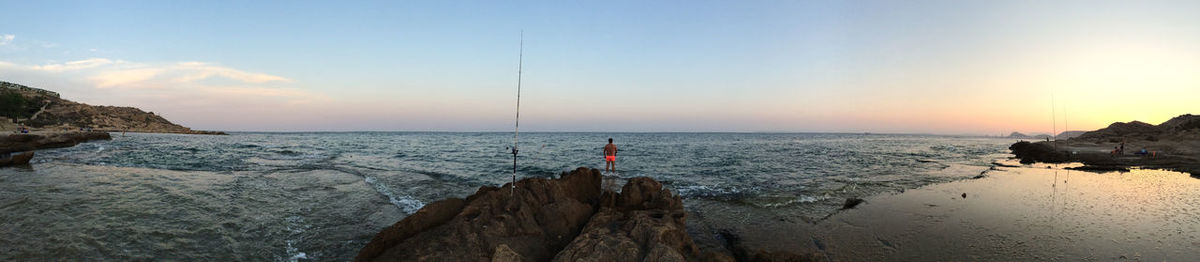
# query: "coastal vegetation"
[[15, 104]]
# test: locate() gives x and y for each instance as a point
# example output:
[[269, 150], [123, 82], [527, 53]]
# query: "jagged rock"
[[647, 224], [566, 219], [433, 214], [534, 221]]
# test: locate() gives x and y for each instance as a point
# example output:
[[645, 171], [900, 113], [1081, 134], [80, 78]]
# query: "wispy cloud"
[[6, 39], [107, 73], [73, 65]]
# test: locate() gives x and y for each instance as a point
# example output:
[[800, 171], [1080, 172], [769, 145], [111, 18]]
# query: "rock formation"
[[566, 219], [1171, 145], [44, 109], [1037, 152], [18, 159], [29, 142]]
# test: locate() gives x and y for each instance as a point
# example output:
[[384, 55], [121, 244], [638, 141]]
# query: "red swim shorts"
[[610, 158]]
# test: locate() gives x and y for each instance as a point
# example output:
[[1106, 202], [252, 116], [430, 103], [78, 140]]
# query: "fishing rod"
[[517, 123]]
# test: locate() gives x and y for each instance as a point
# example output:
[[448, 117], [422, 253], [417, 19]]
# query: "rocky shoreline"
[[28, 142], [1173, 145], [571, 218]]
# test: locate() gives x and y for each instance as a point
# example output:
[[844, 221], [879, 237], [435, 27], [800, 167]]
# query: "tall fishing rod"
[[1053, 121], [517, 123]]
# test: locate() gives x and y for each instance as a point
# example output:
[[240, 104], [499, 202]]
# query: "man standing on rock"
[[610, 156]]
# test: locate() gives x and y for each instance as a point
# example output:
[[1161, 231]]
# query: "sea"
[[322, 196]]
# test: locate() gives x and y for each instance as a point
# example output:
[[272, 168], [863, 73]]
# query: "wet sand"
[[1018, 213]]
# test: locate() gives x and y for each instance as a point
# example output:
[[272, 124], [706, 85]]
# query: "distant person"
[[610, 156], [1122, 149]]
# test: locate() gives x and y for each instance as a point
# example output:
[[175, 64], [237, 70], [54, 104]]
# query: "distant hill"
[[44, 109], [1020, 135], [1183, 127], [1070, 134]]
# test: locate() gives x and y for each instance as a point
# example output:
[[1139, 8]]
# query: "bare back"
[[610, 150]]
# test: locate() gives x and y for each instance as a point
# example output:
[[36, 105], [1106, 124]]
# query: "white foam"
[[295, 254], [296, 225], [406, 203]]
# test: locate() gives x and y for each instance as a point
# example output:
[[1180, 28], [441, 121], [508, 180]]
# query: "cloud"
[[194, 71], [107, 73], [6, 39], [168, 82], [73, 65]]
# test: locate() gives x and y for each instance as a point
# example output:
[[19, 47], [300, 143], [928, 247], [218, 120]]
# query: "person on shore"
[[610, 156]]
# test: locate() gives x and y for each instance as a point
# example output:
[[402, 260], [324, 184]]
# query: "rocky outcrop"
[[66, 114], [566, 219], [29, 142], [642, 223], [1103, 162], [18, 159], [47, 111], [1037, 152]]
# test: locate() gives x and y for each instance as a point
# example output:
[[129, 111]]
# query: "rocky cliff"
[[566, 219], [45, 110]]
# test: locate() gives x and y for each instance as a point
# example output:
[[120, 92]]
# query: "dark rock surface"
[[852, 202], [18, 159], [642, 223], [566, 219], [29, 142], [1038, 152]]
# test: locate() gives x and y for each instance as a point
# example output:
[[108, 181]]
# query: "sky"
[[940, 67]]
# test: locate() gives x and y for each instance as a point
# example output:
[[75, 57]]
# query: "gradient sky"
[[946, 67]]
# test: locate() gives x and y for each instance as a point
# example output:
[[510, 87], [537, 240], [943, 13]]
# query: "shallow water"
[[321, 196], [1012, 214]]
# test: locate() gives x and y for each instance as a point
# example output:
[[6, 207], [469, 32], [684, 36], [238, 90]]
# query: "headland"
[[1171, 145]]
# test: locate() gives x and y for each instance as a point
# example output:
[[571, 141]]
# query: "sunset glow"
[[944, 67]]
